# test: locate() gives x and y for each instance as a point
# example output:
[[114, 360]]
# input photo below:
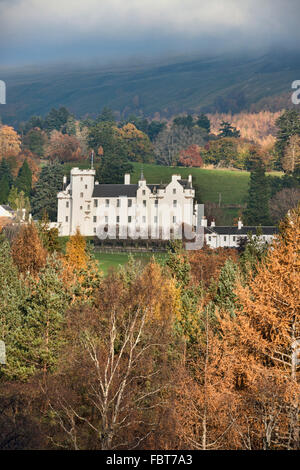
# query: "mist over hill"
[[224, 84]]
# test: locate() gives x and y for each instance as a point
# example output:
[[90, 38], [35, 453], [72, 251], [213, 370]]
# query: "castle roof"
[[115, 190]]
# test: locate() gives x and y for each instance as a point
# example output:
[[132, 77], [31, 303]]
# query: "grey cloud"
[[35, 29]]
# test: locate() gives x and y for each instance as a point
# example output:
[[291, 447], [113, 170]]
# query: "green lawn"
[[115, 260]]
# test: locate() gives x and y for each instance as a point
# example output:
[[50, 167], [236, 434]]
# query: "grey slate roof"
[[115, 190], [226, 230], [185, 183]]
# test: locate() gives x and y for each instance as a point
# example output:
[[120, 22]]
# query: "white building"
[[229, 237], [135, 210], [141, 211]]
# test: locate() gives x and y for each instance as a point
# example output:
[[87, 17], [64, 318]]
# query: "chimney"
[[213, 223], [64, 182], [127, 178], [240, 224], [204, 221]]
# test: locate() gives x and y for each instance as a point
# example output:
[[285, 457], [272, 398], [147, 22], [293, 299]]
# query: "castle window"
[[81, 178], [95, 230], [106, 202], [67, 204], [144, 203], [129, 202], [81, 208], [129, 219], [81, 194], [67, 218], [118, 219], [233, 238], [95, 218], [118, 202], [144, 219], [174, 219], [174, 190], [225, 238], [175, 203], [95, 202], [209, 239], [156, 202], [144, 192], [155, 219], [85, 186], [88, 207], [106, 219]]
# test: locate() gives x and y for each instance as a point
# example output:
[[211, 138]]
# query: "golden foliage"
[[27, 250], [10, 142], [256, 127]]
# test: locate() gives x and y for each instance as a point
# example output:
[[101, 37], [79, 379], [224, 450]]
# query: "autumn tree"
[[171, 140], [205, 405], [139, 147], [282, 202], [191, 157], [265, 336], [63, 147], [288, 125], [291, 158], [28, 252], [10, 142], [76, 255], [123, 375], [81, 272]]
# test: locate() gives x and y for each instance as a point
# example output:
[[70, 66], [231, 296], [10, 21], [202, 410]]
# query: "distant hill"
[[221, 84]]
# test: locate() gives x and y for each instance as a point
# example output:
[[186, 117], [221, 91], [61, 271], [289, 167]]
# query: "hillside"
[[222, 84]]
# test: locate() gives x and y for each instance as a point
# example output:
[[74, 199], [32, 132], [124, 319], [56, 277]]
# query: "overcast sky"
[[38, 31]]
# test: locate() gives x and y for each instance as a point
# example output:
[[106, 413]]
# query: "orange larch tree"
[[265, 336]]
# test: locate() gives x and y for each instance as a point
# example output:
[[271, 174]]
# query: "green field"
[[109, 261]]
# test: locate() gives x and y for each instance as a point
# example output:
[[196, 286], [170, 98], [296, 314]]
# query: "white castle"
[[154, 211], [148, 210]]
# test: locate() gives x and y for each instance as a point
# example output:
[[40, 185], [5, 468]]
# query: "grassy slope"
[[232, 185]]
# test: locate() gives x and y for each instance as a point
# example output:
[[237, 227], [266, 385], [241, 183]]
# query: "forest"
[[200, 351]]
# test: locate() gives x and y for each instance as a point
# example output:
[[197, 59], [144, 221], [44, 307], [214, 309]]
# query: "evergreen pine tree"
[[225, 297], [40, 338], [24, 179], [6, 171], [11, 299], [4, 189], [257, 212], [46, 189]]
